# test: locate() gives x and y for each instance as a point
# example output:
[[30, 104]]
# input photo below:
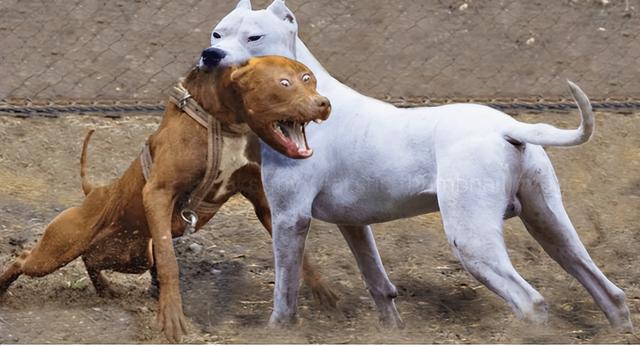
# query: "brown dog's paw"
[[324, 295], [107, 292], [172, 320], [154, 292]]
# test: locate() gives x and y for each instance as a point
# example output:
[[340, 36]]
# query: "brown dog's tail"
[[86, 185]]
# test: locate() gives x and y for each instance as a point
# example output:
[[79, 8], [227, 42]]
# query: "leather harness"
[[196, 203]]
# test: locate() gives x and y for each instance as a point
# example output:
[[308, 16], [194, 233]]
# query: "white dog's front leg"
[[289, 236]]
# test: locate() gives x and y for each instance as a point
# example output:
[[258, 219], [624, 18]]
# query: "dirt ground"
[[227, 287]]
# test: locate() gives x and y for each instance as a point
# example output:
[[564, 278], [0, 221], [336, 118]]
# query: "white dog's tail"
[[543, 134]]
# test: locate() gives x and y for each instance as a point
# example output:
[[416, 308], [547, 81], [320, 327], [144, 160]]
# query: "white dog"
[[374, 162]]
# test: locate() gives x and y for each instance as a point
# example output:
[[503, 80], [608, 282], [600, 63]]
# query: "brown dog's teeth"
[[318, 121], [280, 127]]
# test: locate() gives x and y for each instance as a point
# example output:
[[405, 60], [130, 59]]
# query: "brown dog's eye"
[[306, 78], [285, 83]]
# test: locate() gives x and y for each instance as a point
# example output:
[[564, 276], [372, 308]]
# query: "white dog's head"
[[245, 33]]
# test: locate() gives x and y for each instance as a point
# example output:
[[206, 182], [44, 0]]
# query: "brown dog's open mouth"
[[292, 135]]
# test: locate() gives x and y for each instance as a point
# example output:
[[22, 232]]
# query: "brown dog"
[[116, 225]]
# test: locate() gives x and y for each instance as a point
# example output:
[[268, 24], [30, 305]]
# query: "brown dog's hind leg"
[[12, 273], [63, 241], [322, 292], [100, 283]]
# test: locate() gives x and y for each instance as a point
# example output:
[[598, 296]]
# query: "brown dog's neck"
[[212, 91]]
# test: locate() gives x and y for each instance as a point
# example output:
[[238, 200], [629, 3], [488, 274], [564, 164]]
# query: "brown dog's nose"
[[322, 102]]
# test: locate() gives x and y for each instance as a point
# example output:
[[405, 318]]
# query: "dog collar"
[[180, 96]]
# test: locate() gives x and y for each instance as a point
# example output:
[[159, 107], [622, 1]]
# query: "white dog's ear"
[[245, 4], [281, 10]]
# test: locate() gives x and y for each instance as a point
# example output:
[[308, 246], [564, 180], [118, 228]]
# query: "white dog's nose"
[[211, 57]]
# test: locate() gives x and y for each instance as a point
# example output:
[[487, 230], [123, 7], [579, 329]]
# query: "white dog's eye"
[[285, 83], [255, 38], [216, 35], [306, 78]]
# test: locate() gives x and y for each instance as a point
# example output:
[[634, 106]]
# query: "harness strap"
[[206, 208], [214, 147], [181, 97], [203, 208]]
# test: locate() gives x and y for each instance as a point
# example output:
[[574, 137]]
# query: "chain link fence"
[[135, 49]]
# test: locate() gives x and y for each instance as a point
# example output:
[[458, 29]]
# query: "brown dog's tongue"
[[305, 152]]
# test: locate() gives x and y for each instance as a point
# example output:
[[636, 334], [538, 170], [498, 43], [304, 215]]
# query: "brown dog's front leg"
[[158, 204]]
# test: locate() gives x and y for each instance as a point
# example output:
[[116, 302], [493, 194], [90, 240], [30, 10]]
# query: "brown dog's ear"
[[238, 73]]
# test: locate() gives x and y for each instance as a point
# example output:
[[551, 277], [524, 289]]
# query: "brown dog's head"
[[279, 99]]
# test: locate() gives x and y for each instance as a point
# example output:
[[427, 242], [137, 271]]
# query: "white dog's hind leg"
[[546, 219], [481, 250], [289, 235], [363, 247], [472, 196]]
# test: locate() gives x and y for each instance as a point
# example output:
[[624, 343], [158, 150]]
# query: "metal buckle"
[[182, 102], [191, 218]]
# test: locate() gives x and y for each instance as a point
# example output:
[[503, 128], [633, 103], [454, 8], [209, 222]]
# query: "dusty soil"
[[227, 287]]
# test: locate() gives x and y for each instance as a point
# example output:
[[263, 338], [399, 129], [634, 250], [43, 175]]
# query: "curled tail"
[[543, 134], [86, 185]]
